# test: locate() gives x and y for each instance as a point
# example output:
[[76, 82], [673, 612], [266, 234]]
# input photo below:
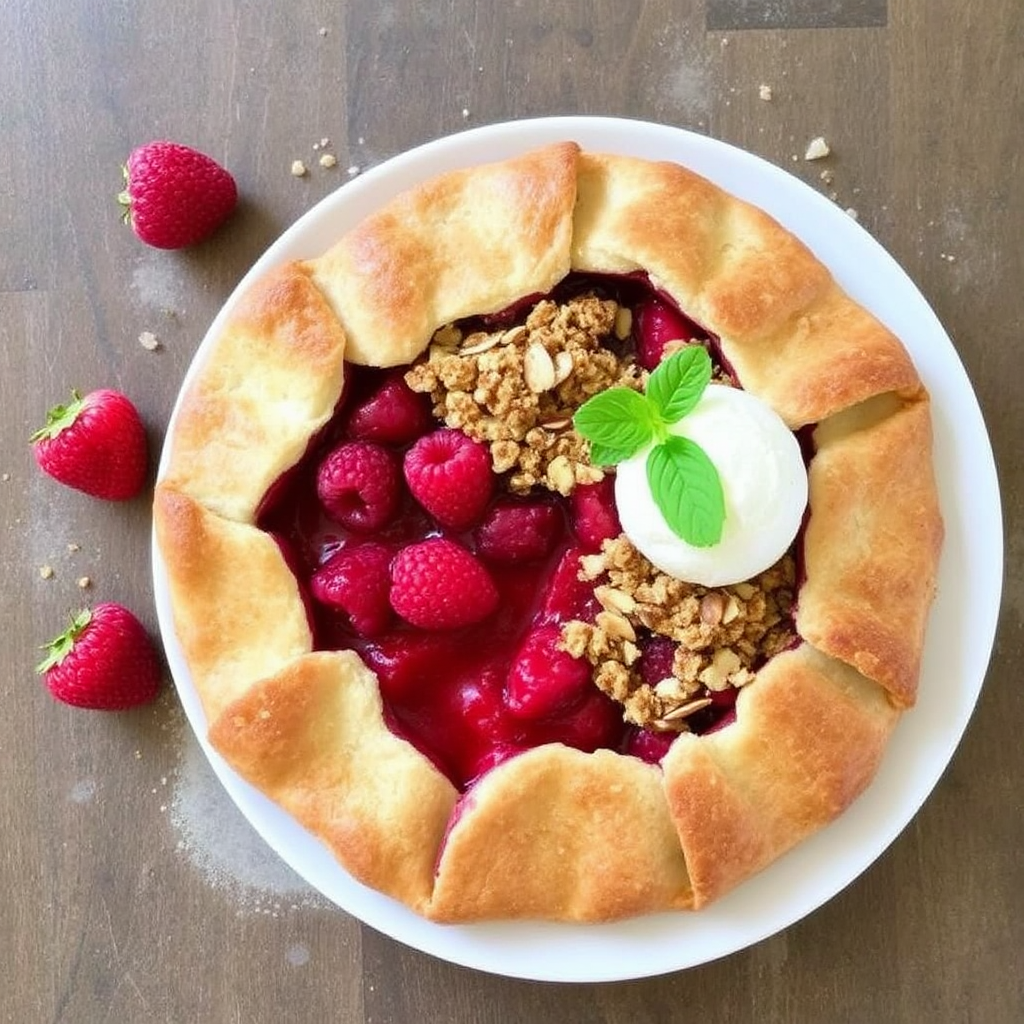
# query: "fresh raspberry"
[[450, 475], [594, 515], [656, 658], [649, 746], [355, 580], [392, 414], [544, 679], [175, 196], [515, 531], [567, 596], [655, 324], [438, 584], [359, 486], [104, 661], [95, 444]]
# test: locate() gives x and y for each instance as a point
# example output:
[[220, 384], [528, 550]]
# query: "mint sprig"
[[684, 482]]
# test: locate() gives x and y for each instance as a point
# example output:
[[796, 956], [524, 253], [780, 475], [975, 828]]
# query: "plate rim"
[[653, 945]]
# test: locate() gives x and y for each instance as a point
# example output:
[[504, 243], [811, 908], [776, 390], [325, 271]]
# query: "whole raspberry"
[[594, 515], [391, 414], [519, 531], [438, 584], [355, 581], [174, 195], [359, 486], [450, 475], [544, 679]]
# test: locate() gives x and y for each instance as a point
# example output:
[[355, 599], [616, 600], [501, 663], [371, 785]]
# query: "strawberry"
[[104, 660], [438, 584], [95, 444], [175, 196]]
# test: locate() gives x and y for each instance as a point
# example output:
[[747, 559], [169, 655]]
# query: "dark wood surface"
[[132, 890]]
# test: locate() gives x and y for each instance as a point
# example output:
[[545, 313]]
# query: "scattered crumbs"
[[817, 149], [73, 547], [948, 257], [46, 572], [480, 69], [84, 582], [724, 40], [465, 112], [765, 92], [138, 755], [851, 212], [298, 169], [322, 31], [827, 177], [149, 341], [361, 141], [324, 143], [5, 477], [353, 171], [795, 158], [328, 160]]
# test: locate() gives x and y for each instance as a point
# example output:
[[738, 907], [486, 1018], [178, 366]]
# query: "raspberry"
[[359, 486], [594, 515], [656, 659], [649, 746], [392, 414], [656, 324], [355, 580], [438, 584], [450, 475], [544, 679], [407, 663], [594, 722], [519, 531], [567, 596]]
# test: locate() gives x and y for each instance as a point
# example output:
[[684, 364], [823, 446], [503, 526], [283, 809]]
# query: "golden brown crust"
[[269, 384], [808, 737], [555, 833], [312, 737], [872, 543], [792, 336], [472, 241]]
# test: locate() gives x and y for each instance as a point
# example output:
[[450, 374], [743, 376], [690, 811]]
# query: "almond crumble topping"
[[723, 633], [517, 389]]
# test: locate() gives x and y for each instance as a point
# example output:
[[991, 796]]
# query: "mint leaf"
[[677, 383], [687, 490], [617, 423]]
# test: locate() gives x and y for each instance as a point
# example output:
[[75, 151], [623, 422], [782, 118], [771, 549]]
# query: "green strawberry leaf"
[[677, 383], [59, 418], [687, 490], [617, 423], [60, 646]]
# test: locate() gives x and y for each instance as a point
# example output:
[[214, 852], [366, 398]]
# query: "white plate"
[[959, 638]]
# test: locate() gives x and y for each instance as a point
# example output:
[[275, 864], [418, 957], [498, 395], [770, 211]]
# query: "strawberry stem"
[[59, 418], [60, 646]]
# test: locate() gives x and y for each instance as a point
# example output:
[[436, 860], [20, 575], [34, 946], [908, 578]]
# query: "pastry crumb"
[[328, 160], [465, 112], [322, 31], [827, 177], [817, 149], [764, 92], [84, 582], [298, 169], [46, 572], [149, 341], [353, 170], [852, 213], [5, 477], [73, 547]]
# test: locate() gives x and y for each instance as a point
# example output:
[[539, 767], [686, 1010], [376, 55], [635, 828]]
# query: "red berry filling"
[[453, 590]]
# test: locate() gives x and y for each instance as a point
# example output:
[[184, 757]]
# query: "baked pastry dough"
[[555, 833]]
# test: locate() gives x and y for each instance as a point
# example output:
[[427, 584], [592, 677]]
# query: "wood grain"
[[132, 890]]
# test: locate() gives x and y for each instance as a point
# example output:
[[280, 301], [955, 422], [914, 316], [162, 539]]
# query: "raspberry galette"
[[400, 578]]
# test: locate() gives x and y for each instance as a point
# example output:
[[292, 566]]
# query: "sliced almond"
[[614, 600], [623, 322], [564, 366], [538, 369], [687, 709], [557, 424], [615, 625], [479, 342], [514, 335]]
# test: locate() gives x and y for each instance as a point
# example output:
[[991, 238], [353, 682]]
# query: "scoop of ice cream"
[[763, 478]]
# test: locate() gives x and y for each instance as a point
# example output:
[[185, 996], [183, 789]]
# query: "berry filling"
[[470, 569]]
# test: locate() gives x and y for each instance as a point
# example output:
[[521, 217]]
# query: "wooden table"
[[132, 888]]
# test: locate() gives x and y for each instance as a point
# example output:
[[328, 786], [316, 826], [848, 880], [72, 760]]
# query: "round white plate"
[[960, 635]]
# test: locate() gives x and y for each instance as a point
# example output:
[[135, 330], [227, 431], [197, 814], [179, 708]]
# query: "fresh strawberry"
[[105, 660], [95, 444], [450, 475], [392, 414], [175, 196], [544, 679], [359, 486], [519, 531], [355, 581], [438, 584]]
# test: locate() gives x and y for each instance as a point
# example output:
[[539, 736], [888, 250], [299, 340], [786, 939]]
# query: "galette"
[[559, 544]]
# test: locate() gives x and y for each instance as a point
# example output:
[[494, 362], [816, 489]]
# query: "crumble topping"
[[517, 388], [723, 633]]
